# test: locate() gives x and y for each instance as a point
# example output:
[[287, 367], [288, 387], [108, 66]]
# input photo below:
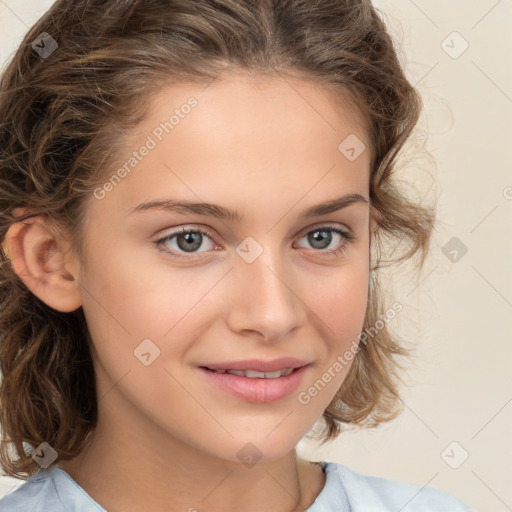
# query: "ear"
[[41, 257]]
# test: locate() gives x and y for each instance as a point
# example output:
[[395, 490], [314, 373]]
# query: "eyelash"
[[347, 236]]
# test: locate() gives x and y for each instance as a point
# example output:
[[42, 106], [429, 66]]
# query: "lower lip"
[[256, 390]]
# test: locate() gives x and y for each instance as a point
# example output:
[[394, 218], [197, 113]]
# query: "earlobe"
[[42, 261]]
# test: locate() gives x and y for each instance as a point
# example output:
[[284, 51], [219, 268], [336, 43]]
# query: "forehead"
[[277, 99], [248, 117], [247, 139]]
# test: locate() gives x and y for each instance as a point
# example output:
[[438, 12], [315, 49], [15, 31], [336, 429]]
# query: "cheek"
[[132, 299], [340, 305], [340, 301]]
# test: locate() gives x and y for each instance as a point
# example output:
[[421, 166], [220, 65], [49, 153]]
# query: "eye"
[[187, 240], [322, 237]]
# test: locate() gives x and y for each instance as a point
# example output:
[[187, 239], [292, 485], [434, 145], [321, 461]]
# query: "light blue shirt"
[[53, 490]]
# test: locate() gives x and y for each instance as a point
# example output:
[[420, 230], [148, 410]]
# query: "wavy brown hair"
[[64, 117]]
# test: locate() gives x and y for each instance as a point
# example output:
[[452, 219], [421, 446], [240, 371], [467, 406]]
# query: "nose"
[[266, 298]]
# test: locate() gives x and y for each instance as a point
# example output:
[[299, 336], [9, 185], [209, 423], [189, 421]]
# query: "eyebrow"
[[220, 212]]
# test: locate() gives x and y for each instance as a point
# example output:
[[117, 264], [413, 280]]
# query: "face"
[[271, 283]]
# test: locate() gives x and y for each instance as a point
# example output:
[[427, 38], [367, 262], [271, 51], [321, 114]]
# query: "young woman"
[[195, 198]]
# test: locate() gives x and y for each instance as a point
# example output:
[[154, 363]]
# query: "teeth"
[[252, 374]]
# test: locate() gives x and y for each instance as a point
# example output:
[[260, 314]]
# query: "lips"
[[253, 374], [256, 390], [255, 365]]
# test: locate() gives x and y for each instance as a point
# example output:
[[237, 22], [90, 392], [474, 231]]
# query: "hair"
[[63, 119]]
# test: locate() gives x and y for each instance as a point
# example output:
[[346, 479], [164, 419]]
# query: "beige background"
[[458, 313]]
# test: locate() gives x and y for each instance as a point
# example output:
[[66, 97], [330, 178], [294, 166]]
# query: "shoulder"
[[49, 490], [32, 495], [371, 493]]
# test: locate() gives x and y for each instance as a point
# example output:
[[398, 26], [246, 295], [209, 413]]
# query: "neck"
[[134, 468]]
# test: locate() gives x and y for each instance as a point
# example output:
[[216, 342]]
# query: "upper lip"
[[258, 365]]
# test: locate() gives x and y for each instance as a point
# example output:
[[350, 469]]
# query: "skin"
[[167, 440]]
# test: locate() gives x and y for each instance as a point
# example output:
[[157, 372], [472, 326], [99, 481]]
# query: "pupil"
[[325, 235], [191, 244]]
